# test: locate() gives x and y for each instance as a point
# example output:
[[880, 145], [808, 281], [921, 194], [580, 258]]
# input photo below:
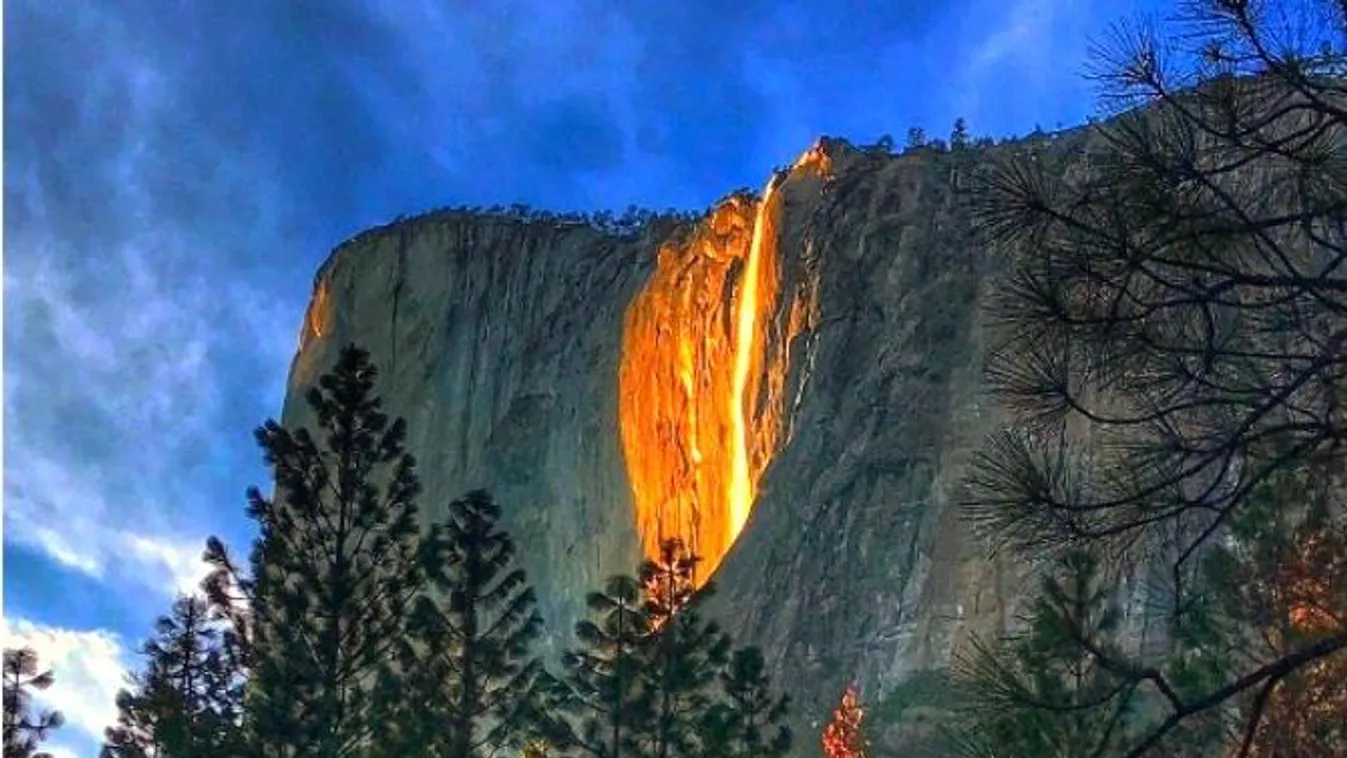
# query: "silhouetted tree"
[[1043, 693], [916, 138], [335, 572], [602, 675], [746, 721], [187, 702], [683, 654], [1175, 333], [844, 736], [958, 138], [479, 638], [667, 582], [25, 728]]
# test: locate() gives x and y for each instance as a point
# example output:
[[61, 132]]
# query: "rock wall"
[[592, 383], [499, 343]]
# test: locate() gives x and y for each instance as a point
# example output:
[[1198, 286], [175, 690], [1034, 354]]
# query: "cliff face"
[[790, 384]]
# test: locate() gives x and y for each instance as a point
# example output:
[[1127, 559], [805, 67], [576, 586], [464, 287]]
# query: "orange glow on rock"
[[318, 316], [705, 349]]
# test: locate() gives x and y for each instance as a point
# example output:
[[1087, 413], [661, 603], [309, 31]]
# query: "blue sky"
[[174, 173]]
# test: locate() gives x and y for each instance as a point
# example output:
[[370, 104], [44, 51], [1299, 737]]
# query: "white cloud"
[[178, 563], [60, 510], [89, 666], [140, 335]]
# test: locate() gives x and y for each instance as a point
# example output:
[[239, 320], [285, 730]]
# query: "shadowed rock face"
[[607, 388]]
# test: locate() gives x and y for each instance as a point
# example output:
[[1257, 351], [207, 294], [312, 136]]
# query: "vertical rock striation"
[[499, 342], [790, 384]]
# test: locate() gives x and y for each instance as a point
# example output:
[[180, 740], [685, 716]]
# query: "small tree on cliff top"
[[844, 737], [336, 569], [1175, 330]]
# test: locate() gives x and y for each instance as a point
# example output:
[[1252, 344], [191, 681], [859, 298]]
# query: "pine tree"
[[916, 138], [667, 582], [958, 139], [336, 570], [1043, 693], [683, 654], [1174, 322], [25, 729], [844, 737], [1284, 572], [480, 636], [601, 679], [746, 722], [187, 702]]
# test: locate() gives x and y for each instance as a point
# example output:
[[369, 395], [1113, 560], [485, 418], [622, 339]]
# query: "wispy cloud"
[[89, 667], [169, 191], [113, 400], [140, 343], [1033, 48]]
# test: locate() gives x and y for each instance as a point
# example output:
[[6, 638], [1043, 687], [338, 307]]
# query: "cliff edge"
[[791, 383]]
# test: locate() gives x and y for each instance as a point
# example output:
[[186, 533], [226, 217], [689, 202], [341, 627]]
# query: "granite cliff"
[[791, 383]]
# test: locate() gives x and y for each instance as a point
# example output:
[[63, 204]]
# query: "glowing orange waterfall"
[[746, 350], [702, 376]]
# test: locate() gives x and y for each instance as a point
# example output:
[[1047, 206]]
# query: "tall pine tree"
[[478, 656], [187, 703], [335, 573], [601, 679], [746, 721], [1050, 692], [683, 655], [25, 728], [1173, 325]]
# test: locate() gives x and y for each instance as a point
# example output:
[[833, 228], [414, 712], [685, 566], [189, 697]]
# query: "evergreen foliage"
[[1048, 692], [630, 224], [25, 728], [187, 702], [602, 675], [335, 572], [477, 664], [652, 678], [958, 138], [683, 655], [916, 138], [1175, 325], [746, 722]]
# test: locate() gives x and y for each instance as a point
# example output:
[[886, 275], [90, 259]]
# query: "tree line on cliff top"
[[1172, 358]]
